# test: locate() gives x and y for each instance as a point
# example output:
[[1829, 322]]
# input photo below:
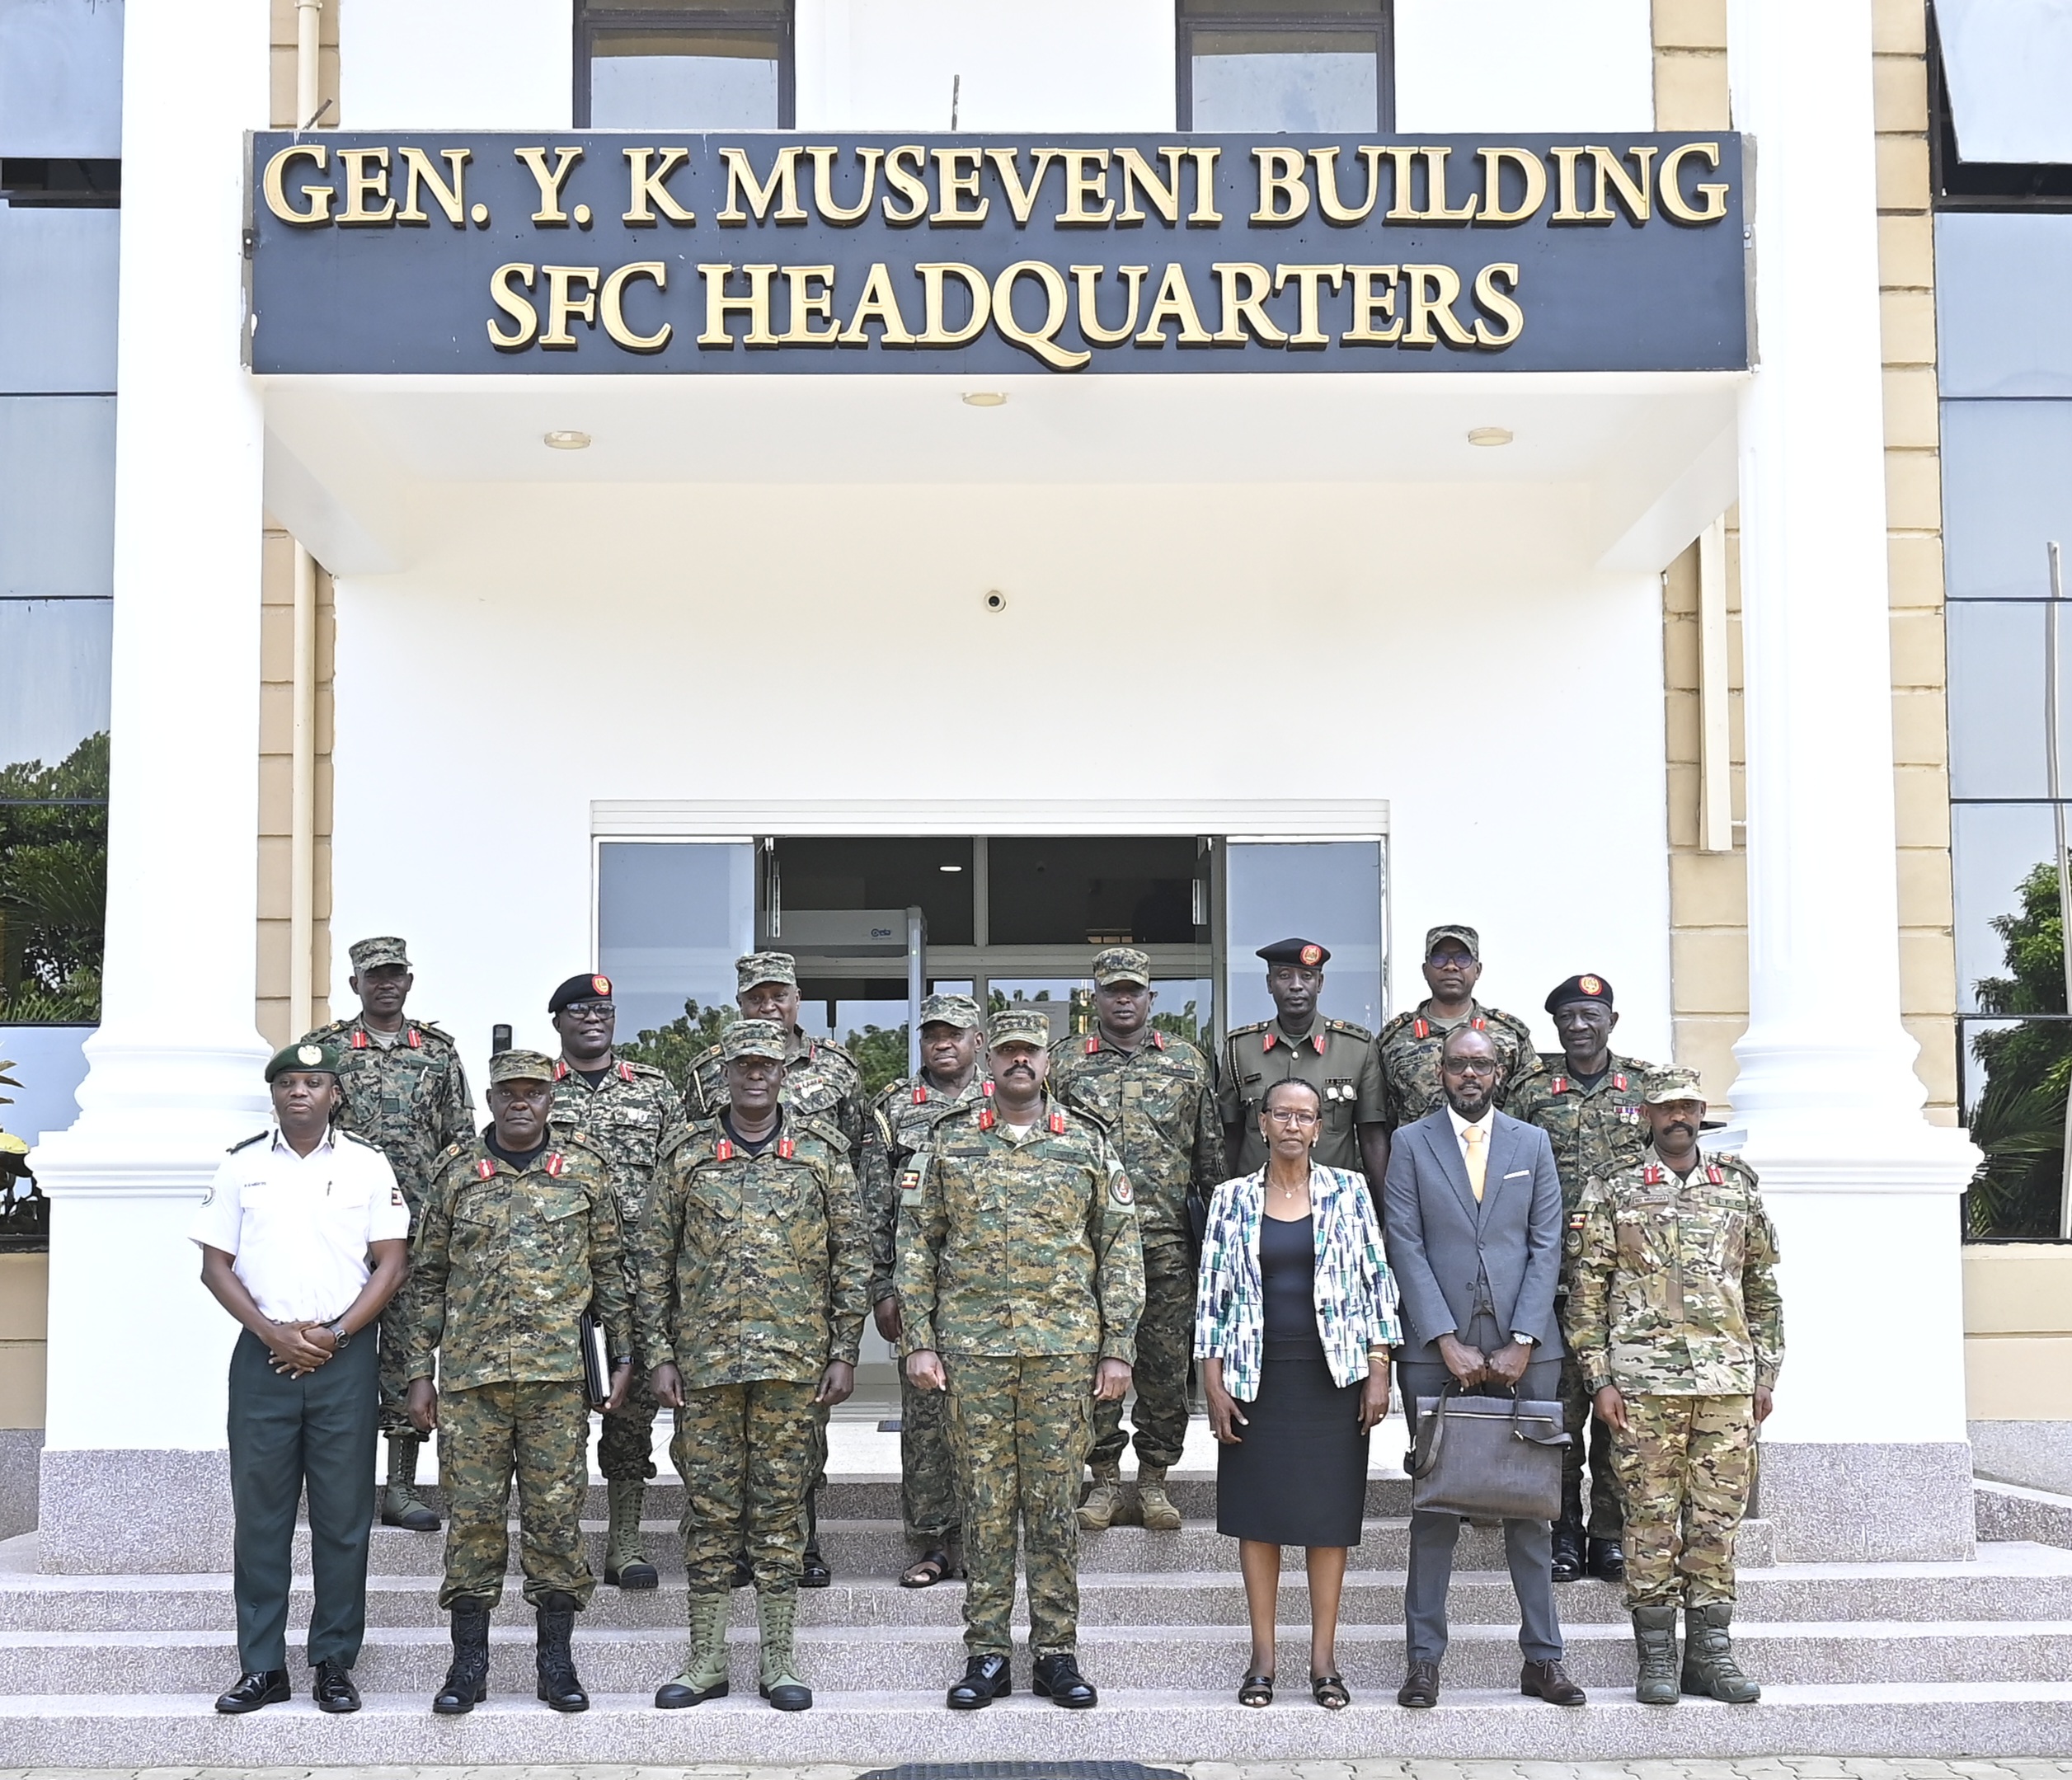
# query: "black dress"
[[1298, 1476]]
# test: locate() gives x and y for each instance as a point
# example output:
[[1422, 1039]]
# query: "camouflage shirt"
[[1159, 1103], [505, 1263], [630, 1116], [899, 1120], [1596, 1131], [1018, 1246], [1409, 1047], [1674, 1284], [753, 1267], [822, 1081], [410, 1099]]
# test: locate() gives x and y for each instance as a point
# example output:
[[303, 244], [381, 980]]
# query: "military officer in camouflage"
[[821, 1078], [405, 1093], [1335, 1057], [631, 1112], [753, 1272], [1410, 1044], [1591, 1102], [1673, 1312], [518, 1238], [1157, 1097], [1020, 1282], [900, 1116]]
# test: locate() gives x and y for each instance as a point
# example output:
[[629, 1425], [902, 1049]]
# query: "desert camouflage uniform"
[[503, 1266], [409, 1099], [900, 1117], [1595, 1133], [1335, 1057], [1673, 1299], [754, 1275], [1409, 1047], [630, 1116], [1018, 1263], [1159, 1103]]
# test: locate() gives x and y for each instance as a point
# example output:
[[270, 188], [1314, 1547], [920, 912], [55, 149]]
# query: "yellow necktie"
[[1478, 1157]]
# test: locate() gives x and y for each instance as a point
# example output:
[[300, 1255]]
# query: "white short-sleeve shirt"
[[300, 1226]]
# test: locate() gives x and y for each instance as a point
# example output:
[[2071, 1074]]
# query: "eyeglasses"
[[1293, 1115], [1451, 960], [1470, 1065], [592, 1010]]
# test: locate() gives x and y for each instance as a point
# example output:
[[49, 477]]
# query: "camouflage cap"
[[386, 949], [1122, 964], [1467, 935], [950, 1010], [1669, 1086], [316, 1059], [753, 1037], [521, 1066], [764, 967], [1019, 1026]]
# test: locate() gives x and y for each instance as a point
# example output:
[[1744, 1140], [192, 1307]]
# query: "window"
[[683, 65], [1313, 66]]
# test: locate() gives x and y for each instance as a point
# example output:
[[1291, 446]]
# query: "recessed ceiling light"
[[949, 868], [985, 399], [1489, 436], [567, 438]]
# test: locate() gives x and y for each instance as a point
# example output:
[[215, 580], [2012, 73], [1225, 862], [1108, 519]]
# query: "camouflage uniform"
[[1673, 1299], [1408, 1049], [1018, 1263], [1595, 1133], [409, 1099], [754, 1275], [1335, 1057], [1159, 1104], [504, 1264], [632, 1116]]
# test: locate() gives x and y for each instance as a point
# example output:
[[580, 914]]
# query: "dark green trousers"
[[287, 1435]]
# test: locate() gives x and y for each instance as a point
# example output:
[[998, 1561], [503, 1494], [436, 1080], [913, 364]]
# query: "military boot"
[[556, 1664], [1153, 1505], [1104, 1500], [467, 1678], [1655, 1633], [625, 1565], [1568, 1534], [401, 1505], [781, 1686], [1709, 1667], [704, 1676]]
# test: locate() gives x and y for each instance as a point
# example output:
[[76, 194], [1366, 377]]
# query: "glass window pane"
[[1329, 891], [671, 919], [1996, 664], [883, 872], [53, 880], [685, 80], [1094, 890], [1308, 81], [50, 1063], [61, 78], [56, 657], [1993, 342], [2007, 489], [57, 299], [57, 496], [2014, 1073], [1997, 850], [1258, 11]]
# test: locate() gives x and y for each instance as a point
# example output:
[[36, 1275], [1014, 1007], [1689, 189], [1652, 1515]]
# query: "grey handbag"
[[1488, 1458]]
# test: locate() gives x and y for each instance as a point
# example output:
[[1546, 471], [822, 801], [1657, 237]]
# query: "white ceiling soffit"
[[1260, 819], [2008, 64]]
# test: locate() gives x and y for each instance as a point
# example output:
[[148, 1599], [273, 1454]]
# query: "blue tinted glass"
[[57, 299], [1996, 661], [682, 92], [57, 658], [2000, 281], [1312, 90], [2007, 491], [61, 79], [1995, 847], [57, 494], [671, 919], [1328, 891]]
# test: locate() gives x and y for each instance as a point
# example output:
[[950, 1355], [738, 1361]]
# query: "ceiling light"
[[985, 399], [949, 868], [1489, 436], [567, 438]]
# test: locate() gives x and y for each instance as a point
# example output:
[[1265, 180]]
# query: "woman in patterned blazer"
[[1295, 1319]]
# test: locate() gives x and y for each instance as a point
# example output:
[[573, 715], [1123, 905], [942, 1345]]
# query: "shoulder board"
[[246, 1142], [1350, 1030], [432, 1028], [642, 1072], [815, 1126], [353, 1138], [1246, 1031], [448, 1154], [676, 1140], [1497, 1017], [576, 1135], [486, 1167], [827, 1047], [336, 1029]]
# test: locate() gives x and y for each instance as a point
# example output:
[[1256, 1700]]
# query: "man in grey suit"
[[1471, 1215]]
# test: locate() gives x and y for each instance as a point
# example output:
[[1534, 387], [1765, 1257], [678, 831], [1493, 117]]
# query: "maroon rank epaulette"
[[416, 1039], [1266, 1044], [723, 1151], [485, 1167], [555, 1163], [1057, 1123], [786, 1149], [1715, 1174], [625, 1071], [986, 1089], [1619, 1082], [1158, 1038], [1476, 1023], [986, 1119], [561, 1069], [1652, 1175], [1421, 1027], [1557, 1085], [1093, 1046], [920, 1096], [1320, 1042], [359, 1038]]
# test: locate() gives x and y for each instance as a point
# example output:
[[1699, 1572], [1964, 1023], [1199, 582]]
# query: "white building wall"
[[1524, 65], [455, 65]]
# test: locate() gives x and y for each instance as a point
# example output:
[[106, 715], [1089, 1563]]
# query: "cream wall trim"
[[24, 1317], [1318, 818], [283, 42], [2018, 1377]]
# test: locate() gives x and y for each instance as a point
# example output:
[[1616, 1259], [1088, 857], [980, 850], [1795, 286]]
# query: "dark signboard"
[[596, 251]]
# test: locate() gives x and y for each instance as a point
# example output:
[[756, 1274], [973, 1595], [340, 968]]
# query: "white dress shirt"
[[300, 1226]]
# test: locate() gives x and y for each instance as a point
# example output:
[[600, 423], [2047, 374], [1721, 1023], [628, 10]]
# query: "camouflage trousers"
[[626, 1443], [1020, 1427], [541, 1434], [1606, 1516], [1165, 1351], [745, 1453], [927, 1473], [1684, 1472]]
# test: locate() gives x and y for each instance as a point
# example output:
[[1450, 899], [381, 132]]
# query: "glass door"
[[1332, 891]]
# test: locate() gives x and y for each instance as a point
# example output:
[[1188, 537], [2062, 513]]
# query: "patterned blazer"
[[1355, 1297]]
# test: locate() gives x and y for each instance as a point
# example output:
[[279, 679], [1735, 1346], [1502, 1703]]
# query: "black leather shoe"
[[1569, 1562], [1607, 1560], [256, 1687], [333, 1690], [1420, 1686], [1549, 1681], [986, 1678], [1058, 1677], [744, 1572], [813, 1572]]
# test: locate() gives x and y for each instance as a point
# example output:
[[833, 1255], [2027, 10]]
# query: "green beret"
[[310, 1058]]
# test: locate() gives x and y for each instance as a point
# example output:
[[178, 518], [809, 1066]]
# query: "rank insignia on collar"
[[1421, 1027], [1651, 1174], [1715, 1174], [485, 1167], [986, 1089], [1558, 1085], [723, 1151], [1619, 1082], [1477, 1024], [920, 1096], [1158, 1038], [1267, 1043], [1320, 1042], [555, 1163], [359, 1039], [1093, 1046], [786, 1149], [1057, 1124], [626, 1072], [413, 1038], [561, 1069], [986, 1119]]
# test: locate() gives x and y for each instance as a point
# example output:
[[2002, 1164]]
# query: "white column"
[[1861, 1186], [137, 1349]]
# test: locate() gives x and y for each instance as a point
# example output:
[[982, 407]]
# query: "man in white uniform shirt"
[[304, 1238]]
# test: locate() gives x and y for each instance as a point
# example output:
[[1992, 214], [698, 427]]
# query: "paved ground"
[[1772, 1768]]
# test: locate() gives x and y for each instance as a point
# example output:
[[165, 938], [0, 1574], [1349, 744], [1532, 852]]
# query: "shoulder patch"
[[246, 1142], [1119, 1186]]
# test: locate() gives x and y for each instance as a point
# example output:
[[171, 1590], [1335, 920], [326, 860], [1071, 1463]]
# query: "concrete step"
[[1939, 1720], [846, 1660]]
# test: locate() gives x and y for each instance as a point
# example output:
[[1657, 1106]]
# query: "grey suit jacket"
[[1451, 1256]]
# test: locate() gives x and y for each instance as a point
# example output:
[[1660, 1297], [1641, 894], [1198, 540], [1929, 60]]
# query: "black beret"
[[1302, 951], [1583, 988], [580, 989]]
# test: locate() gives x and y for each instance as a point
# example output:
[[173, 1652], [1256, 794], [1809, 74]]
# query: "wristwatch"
[[340, 1333], [1523, 1339]]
